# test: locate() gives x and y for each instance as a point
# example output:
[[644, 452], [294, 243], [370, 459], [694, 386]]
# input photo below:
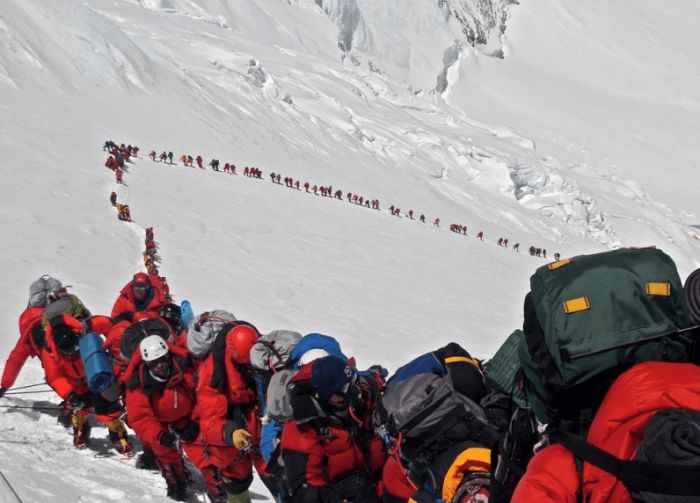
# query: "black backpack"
[[138, 331]]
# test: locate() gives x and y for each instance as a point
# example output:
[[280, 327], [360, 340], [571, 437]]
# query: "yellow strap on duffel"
[[576, 305], [558, 264], [658, 288]]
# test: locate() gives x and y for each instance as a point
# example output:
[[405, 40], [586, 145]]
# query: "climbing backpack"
[[692, 295], [272, 350], [66, 304], [436, 392], [204, 330], [138, 331], [278, 405], [591, 317], [41, 290], [313, 346], [503, 371], [507, 408]]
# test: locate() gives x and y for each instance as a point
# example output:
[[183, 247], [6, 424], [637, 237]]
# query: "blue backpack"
[[314, 341]]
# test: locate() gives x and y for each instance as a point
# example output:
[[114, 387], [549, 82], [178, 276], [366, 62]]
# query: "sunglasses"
[[140, 286], [163, 360]]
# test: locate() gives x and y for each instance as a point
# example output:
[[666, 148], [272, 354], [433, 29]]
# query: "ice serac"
[[556, 197], [409, 39]]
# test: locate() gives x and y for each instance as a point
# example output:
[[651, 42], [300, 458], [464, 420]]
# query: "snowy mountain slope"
[[264, 83], [609, 86]]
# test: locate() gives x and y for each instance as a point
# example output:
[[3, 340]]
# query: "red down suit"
[[617, 428]]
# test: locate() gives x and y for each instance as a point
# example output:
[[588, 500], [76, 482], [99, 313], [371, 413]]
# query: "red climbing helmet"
[[240, 340]]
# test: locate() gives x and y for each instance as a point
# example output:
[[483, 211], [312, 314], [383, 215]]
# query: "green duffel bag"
[[590, 318], [503, 369]]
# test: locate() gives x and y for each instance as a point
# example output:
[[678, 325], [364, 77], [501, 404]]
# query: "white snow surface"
[[581, 138]]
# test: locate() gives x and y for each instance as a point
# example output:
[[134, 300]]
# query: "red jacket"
[[126, 303], [111, 345], [618, 427], [154, 406], [320, 450], [226, 401], [65, 374], [29, 320]]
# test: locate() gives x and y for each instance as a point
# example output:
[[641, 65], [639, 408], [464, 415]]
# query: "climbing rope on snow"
[[10, 492]]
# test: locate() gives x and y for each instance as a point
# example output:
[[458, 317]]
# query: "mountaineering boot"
[[81, 431], [65, 415], [118, 437], [174, 475], [146, 460], [243, 497]]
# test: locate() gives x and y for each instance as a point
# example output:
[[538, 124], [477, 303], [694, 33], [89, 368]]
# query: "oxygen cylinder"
[[187, 313]]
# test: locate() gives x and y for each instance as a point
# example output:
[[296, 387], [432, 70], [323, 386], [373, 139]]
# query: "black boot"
[[65, 415], [174, 475], [146, 460]]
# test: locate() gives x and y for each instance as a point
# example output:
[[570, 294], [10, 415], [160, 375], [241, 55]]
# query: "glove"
[[190, 432], [77, 401], [2, 392], [167, 438], [241, 439]]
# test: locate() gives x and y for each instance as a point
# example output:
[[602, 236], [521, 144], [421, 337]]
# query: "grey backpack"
[[279, 407], [43, 288], [420, 399], [272, 350], [204, 329]]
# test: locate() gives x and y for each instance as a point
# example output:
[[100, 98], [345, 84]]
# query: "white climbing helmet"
[[153, 347]]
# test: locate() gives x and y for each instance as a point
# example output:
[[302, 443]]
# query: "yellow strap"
[[576, 305], [463, 359], [659, 288], [558, 264]]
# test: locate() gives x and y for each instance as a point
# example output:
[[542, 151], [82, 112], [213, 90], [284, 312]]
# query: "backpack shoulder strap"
[[678, 480]]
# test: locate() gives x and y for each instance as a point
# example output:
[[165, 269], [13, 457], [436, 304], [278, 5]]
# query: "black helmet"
[[172, 314]]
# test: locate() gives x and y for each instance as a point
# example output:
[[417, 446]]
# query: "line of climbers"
[[118, 156], [324, 191], [151, 258], [445, 427]]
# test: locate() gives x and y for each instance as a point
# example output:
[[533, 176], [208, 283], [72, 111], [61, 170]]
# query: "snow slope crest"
[[70, 45]]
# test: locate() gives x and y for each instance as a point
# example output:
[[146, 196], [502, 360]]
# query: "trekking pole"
[[28, 386], [33, 407], [26, 392]]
